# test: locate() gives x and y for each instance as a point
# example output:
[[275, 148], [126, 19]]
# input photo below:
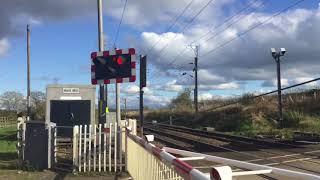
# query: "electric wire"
[[263, 94], [120, 22], [171, 26], [251, 28], [216, 27]]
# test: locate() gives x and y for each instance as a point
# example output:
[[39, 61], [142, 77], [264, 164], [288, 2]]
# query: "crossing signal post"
[[143, 83]]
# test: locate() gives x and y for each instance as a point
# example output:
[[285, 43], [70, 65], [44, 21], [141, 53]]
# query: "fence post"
[[85, 149], [110, 141], [80, 143], [90, 140], [126, 149], [75, 147], [115, 146], [99, 148], [120, 146], [104, 148], [95, 147]]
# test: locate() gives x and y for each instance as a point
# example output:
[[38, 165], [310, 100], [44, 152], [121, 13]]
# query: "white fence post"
[[55, 145], [75, 146], [126, 149], [104, 148], [110, 141], [90, 140], [115, 146], [85, 149], [80, 143], [95, 147], [99, 148], [120, 146]]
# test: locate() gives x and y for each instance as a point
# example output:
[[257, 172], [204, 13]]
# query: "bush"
[[292, 119]]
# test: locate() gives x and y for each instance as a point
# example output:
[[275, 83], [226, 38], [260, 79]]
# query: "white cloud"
[[171, 86], [247, 58], [157, 101], [205, 96], [304, 79], [222, 86], [132, 89], [4, 46], [274, 82]]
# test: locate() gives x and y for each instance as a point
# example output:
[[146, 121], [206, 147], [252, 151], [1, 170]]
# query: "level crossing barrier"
[[253, 169], [146, 161]]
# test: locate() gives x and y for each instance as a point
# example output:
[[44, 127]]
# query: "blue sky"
[[63, 38]]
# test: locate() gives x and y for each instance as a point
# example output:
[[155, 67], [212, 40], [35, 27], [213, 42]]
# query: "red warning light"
[[119, 60]]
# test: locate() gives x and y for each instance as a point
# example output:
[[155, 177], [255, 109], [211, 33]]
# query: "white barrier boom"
[[245, 165]]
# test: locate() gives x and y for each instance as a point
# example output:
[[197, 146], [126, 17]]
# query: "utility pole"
[[28, 74], [102, 93], [276, 55], [143, 83], [196, 82]]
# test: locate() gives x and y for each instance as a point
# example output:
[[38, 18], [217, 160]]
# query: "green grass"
[[8, 141]]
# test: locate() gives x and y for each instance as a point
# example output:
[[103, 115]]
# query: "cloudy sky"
[[234, 36]]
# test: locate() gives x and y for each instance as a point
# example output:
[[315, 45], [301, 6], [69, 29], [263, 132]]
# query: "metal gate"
[[100, 147], [63, 146]]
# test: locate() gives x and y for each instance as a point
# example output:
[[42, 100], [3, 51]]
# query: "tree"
[[13, 101], [38, 105], [183, 100]]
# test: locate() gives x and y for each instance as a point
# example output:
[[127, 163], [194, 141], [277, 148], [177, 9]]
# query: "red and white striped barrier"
[[182, 168], [254, 169]]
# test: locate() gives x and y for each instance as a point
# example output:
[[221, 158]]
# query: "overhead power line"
[[171, 26], [242, 34], [249, 5], [264, 94], [184, 28], [252, 28], [216, 27], [120, 22]]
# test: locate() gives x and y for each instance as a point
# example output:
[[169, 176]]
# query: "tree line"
[[14, 102]]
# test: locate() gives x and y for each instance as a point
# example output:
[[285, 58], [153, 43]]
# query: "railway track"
[[284, 155]]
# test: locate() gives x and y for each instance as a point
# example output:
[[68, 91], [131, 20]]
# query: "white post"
[[104, 148], [115, 146], [90, 140], [126, 150], [95, 147], [85, 149], [110, 141], [80, 143], [120, 147], [99, 148], [55, 145], [75, 146]]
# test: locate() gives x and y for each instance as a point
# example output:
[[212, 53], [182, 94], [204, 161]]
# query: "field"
[[8, 154]]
